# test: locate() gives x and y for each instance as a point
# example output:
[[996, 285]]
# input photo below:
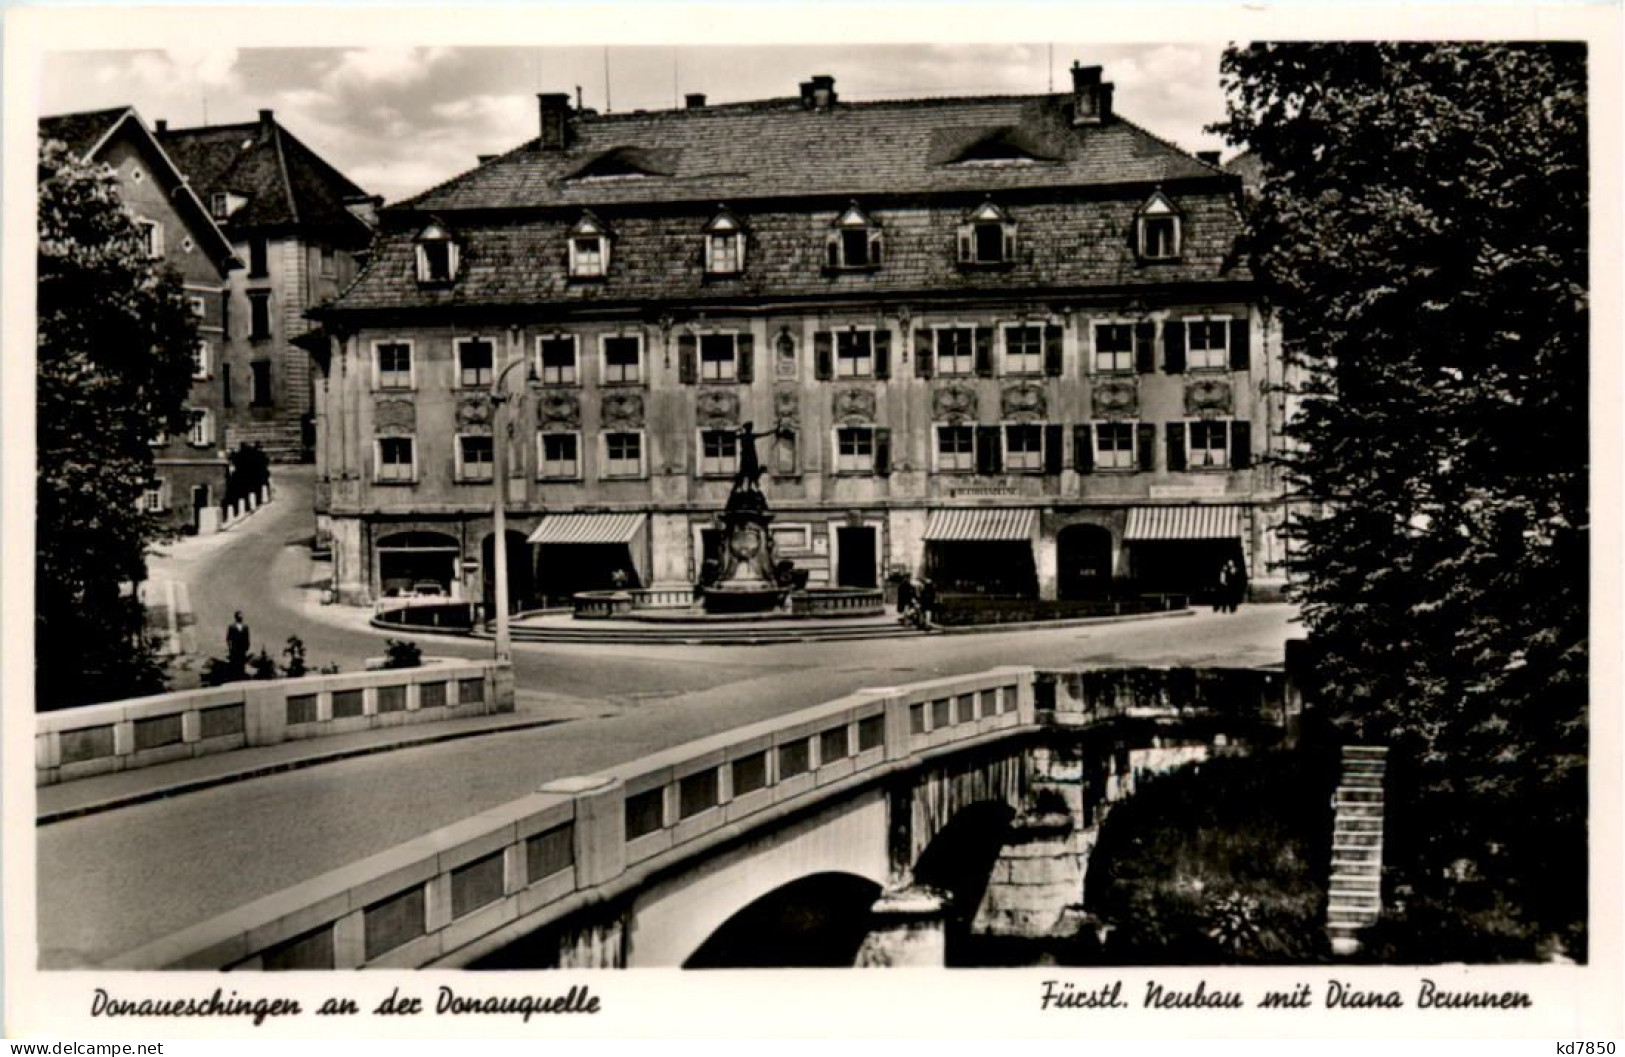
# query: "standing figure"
[[1238, 585], [237, 643], [928, 601], [749, 476], [1221, 591]]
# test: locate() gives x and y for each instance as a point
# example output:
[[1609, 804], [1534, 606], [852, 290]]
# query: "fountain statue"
[[745, 577]]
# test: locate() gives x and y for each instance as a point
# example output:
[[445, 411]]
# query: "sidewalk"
[[86, 796]]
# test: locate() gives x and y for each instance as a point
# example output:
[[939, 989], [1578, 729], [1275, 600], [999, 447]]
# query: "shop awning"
[[588, 528], [961, 525], [1183, 523]]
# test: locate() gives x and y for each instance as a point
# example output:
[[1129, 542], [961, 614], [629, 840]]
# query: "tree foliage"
[[114, 368], [1422, 228]]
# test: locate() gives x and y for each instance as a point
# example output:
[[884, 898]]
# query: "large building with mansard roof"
[[1005, 342]]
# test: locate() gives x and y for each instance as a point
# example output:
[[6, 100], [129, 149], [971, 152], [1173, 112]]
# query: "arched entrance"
[[818, 921], [521, 576], [1083, 555]]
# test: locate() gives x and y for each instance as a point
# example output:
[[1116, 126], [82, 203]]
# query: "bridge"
[[851, 832]]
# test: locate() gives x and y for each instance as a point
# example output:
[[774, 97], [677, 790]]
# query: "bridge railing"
[[81, 742], [508, 871]]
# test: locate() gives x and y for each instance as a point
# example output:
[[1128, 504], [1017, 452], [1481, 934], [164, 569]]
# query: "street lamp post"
[[500, 430]]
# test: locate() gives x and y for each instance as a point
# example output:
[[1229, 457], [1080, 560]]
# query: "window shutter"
[[643, 454], [687, 352], [710, 263], [882, 452], [1010, 243], [924, 339], [1147, 443], [699, 453], [1052, 350], [967, 251], [745, 348], [1241, 445], [1240, 344], [1173, 346], [834, 250], [984, 352], [989, 452], [1176, 447], [874, 247], [882, 341], [823, 356], [1054, 448], [1083, 448], [1145, 348]]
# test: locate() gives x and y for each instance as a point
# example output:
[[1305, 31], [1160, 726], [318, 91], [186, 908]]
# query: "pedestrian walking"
[[237, 643], [928, 601]]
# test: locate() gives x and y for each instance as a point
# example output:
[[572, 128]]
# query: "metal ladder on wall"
[[1354, 899]]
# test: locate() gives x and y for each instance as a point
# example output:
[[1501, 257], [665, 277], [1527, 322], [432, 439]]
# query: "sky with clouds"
[[398, 120]]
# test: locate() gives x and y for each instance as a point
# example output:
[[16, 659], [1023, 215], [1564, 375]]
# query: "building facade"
[[189, 479], [1004, 341], [298, 225]]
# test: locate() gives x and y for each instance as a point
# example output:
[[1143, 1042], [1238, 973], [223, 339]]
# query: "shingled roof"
[[780, 147], [285, 182], [84, 131]]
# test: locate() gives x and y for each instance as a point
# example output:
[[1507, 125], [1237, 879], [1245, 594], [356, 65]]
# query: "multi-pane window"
[[588, 258], [1209, 444], [854, 449], [722, 254], [1023, 447], [1207, 343], [220, 205], [718, 357], [394, 364], [201, 434], [396, 459], [719, 452], [560, 456], [956, 449], [558, 359], [854, 354], [475, 358], [1159, 238], [476, 456], [1114, 446], [1023, 349], [623, 358], [152, 237], [152, 497], [1114, 347], [623, 454], [956, 350], [200, 360]]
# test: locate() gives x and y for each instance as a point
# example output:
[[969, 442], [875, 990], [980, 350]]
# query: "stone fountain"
[[745, 579]]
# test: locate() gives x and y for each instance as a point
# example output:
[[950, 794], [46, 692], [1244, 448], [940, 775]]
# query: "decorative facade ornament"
[[954, 402], [854, 406], [784, 355], [622, 410], [559, 407], [717, 407], [1022, 402], [474, 412], [1115, 398], [787, 407], [394, 417], [1208, 397]]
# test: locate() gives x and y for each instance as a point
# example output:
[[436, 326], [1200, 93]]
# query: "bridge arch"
[[814, 922]]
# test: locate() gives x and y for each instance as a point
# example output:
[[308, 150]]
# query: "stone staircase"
[[1354, 899]]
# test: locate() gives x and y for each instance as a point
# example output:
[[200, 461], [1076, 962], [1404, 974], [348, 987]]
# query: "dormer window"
[[437, 255], [589, 249], [854, 241], [987, 237], [1157, 231], [724, 245]]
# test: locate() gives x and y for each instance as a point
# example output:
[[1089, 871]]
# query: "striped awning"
[[588, 528], [958, 525], [1183, 523]]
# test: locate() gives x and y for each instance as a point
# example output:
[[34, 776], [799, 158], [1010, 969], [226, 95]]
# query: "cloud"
[[393, 67]]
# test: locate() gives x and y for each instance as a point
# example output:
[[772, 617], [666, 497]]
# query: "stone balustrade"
[[81, 742]]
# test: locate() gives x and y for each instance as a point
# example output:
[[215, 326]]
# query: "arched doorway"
[[1083, 556], [521, 577], [818, 921]]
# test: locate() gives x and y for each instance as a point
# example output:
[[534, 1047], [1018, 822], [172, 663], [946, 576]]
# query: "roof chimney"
[[160, 126], [694, 100], [1091, 100], [1209, 156], [818, 93], [265, 117], [555, 114]]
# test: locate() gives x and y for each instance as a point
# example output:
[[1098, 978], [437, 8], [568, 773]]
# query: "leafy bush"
[[962, 611], [295, 652], [400, 653]]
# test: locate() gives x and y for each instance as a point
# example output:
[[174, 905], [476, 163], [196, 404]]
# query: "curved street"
[[112, 881]]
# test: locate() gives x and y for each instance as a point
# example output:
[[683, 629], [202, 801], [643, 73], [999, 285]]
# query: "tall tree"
[[1422, 228], [114, 369]]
